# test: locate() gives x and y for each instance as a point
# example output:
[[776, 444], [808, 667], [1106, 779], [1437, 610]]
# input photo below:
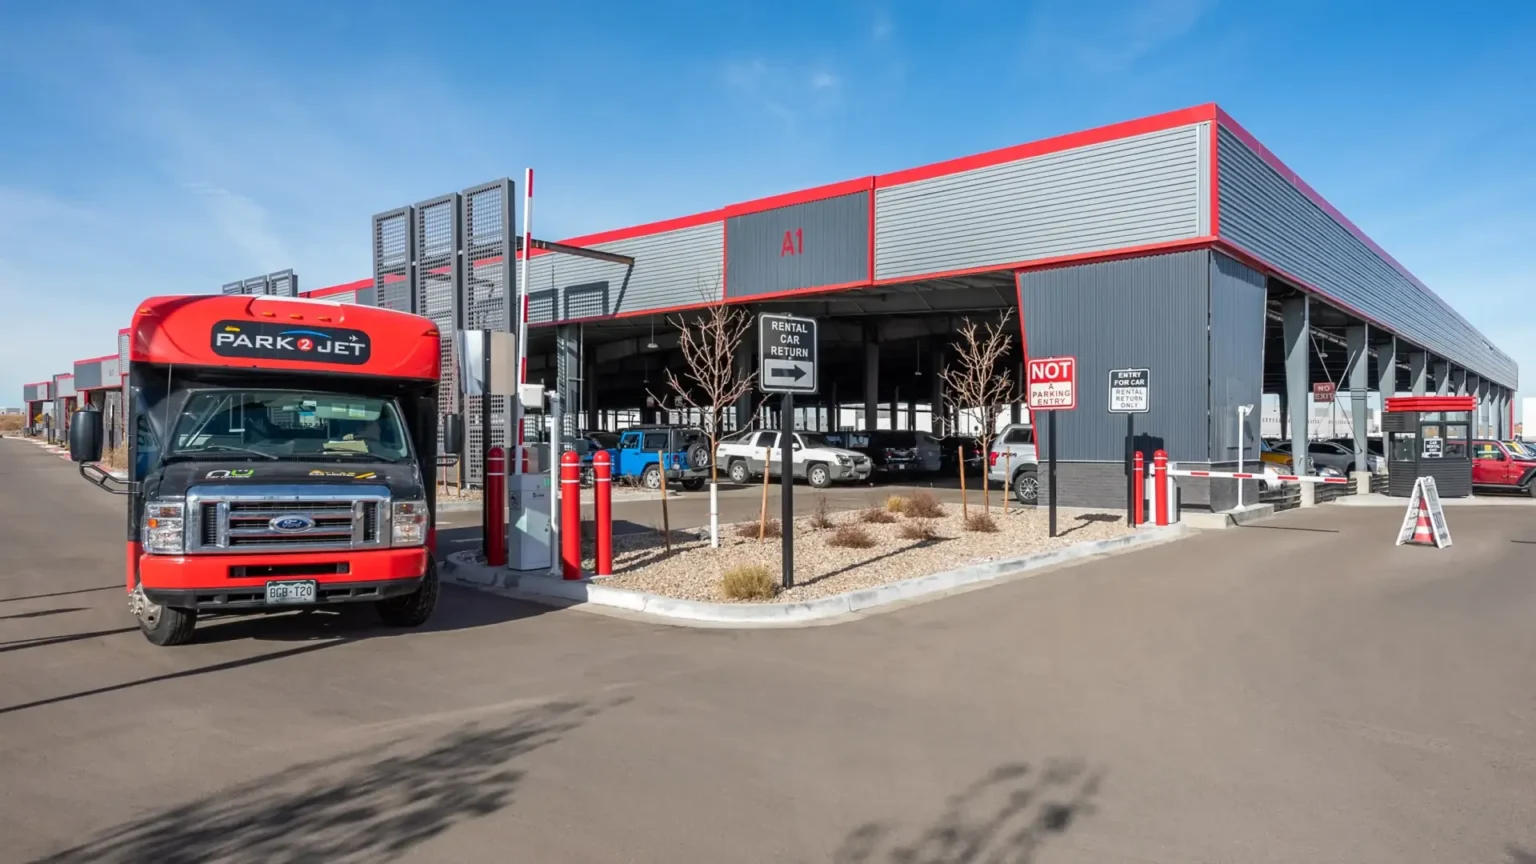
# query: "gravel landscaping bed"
[[692, 571]]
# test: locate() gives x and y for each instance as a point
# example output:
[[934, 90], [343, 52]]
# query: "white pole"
[[522, 321], [714, 514], [1242, 411]]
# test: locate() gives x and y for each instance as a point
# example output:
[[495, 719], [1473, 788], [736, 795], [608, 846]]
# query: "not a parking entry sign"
[[1053, 384]]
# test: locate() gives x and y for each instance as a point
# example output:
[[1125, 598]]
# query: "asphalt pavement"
[[1302, 691]]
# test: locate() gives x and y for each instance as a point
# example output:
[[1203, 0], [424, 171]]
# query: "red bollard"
[[570, 514], [602, 492], [1139, 487], [493, 526], [1160, 486]]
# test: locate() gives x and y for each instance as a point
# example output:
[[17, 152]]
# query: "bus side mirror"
[[453, 434], [85, 436]]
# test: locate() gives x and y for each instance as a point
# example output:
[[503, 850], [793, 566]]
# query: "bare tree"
[[977, 378], [711, 383]]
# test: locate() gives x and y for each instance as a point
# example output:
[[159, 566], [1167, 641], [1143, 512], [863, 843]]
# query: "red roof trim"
[[69, 375], [804, 196], [1398, 404], [1113, 132], [100, 359], [336, 289]]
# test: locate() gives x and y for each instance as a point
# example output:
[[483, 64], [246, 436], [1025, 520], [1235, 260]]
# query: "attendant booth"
[[1427, 437]]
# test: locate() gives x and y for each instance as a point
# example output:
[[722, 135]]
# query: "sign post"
[[1130, 393], [1052, 388], [786, 364]]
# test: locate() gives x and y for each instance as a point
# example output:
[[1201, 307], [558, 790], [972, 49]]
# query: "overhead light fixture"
[[651, 345]]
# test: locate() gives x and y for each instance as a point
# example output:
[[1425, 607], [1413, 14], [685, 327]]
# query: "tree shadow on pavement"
[[1003, 818], [1520, 856], [372, 805]]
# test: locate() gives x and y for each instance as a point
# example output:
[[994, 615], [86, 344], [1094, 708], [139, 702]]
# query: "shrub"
[[895, 504], [749, 582], [981, 523], [749, 530], [924, 505], [12, 422], [822, 517], [117, 457], [877, 516], [918, 529], [852, 537]]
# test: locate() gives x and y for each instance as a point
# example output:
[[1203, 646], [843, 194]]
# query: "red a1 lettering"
[[794, 243]]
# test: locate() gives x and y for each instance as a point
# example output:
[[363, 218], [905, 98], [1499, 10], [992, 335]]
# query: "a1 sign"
[[1053, 384]]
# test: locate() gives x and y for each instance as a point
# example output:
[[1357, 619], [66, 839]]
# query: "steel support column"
[[1418, 373], [937, 409], [1296, 327], [871, 379], [1440, 377], [1386, 370], [1358, 338], [1458, 381], [745, 353]]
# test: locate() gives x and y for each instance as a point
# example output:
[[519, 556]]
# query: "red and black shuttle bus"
[[280, 456]]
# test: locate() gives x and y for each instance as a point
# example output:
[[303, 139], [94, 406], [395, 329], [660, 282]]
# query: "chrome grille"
[[240, 518]]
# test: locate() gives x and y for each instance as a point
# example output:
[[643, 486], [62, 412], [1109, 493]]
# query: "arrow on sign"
[[790, 370]]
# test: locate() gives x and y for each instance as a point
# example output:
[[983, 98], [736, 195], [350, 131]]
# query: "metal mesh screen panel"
[[283, 284], [256, 285], [394, 285], [489, 237], [234, 288], [438, 237], [122, 353]]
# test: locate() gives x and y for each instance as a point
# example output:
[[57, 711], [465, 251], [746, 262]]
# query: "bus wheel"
[[412, 610], [162, 625]]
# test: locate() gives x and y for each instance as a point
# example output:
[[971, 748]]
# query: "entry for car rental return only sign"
[[787, 358], [1130, 391]]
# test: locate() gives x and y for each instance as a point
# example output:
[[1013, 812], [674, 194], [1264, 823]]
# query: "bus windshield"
[[288, 424]]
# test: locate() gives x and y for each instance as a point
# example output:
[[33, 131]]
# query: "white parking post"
[[1242, 412], [714, 511]]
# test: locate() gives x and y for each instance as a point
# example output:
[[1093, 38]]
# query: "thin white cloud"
[[883, 28], [1110, 36], [824, 81]]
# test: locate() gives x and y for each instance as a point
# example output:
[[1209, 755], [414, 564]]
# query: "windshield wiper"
[[222, 448]]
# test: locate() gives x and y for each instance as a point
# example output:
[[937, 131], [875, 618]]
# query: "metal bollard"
[[1160, 486], [602, 493], [1139, 484], [493, 532], [570, 514]]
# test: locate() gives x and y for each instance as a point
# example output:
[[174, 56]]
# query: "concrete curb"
[[462, 568]]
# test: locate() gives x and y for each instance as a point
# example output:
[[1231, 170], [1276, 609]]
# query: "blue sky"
[[182, 145]]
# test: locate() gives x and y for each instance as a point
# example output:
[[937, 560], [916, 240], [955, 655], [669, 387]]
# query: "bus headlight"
[[409, 523], [164, 527]]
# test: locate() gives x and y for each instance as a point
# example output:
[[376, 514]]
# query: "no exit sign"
[[1052, 384]]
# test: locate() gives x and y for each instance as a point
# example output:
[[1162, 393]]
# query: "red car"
[[1496, 466]]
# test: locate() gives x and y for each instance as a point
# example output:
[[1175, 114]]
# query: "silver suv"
[[1011, 459]]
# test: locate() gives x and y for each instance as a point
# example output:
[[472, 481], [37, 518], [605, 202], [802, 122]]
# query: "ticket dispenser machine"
[[531, 498]]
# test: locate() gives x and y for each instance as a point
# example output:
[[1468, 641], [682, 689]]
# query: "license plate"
[[291, 592]]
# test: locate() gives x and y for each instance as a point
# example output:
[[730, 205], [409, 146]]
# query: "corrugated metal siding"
[[1237, 355], [1267, 216], [808, 245], [87, 375], [1136, 313], [1132, 192], [124, 341], [672, 268]]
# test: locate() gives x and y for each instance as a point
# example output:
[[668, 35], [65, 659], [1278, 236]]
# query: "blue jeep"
[[647, 453]]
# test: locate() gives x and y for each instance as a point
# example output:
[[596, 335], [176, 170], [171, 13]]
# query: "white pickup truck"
[[814, 459]]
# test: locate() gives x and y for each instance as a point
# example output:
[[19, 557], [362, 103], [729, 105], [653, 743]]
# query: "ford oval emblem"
[[291, 524]]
